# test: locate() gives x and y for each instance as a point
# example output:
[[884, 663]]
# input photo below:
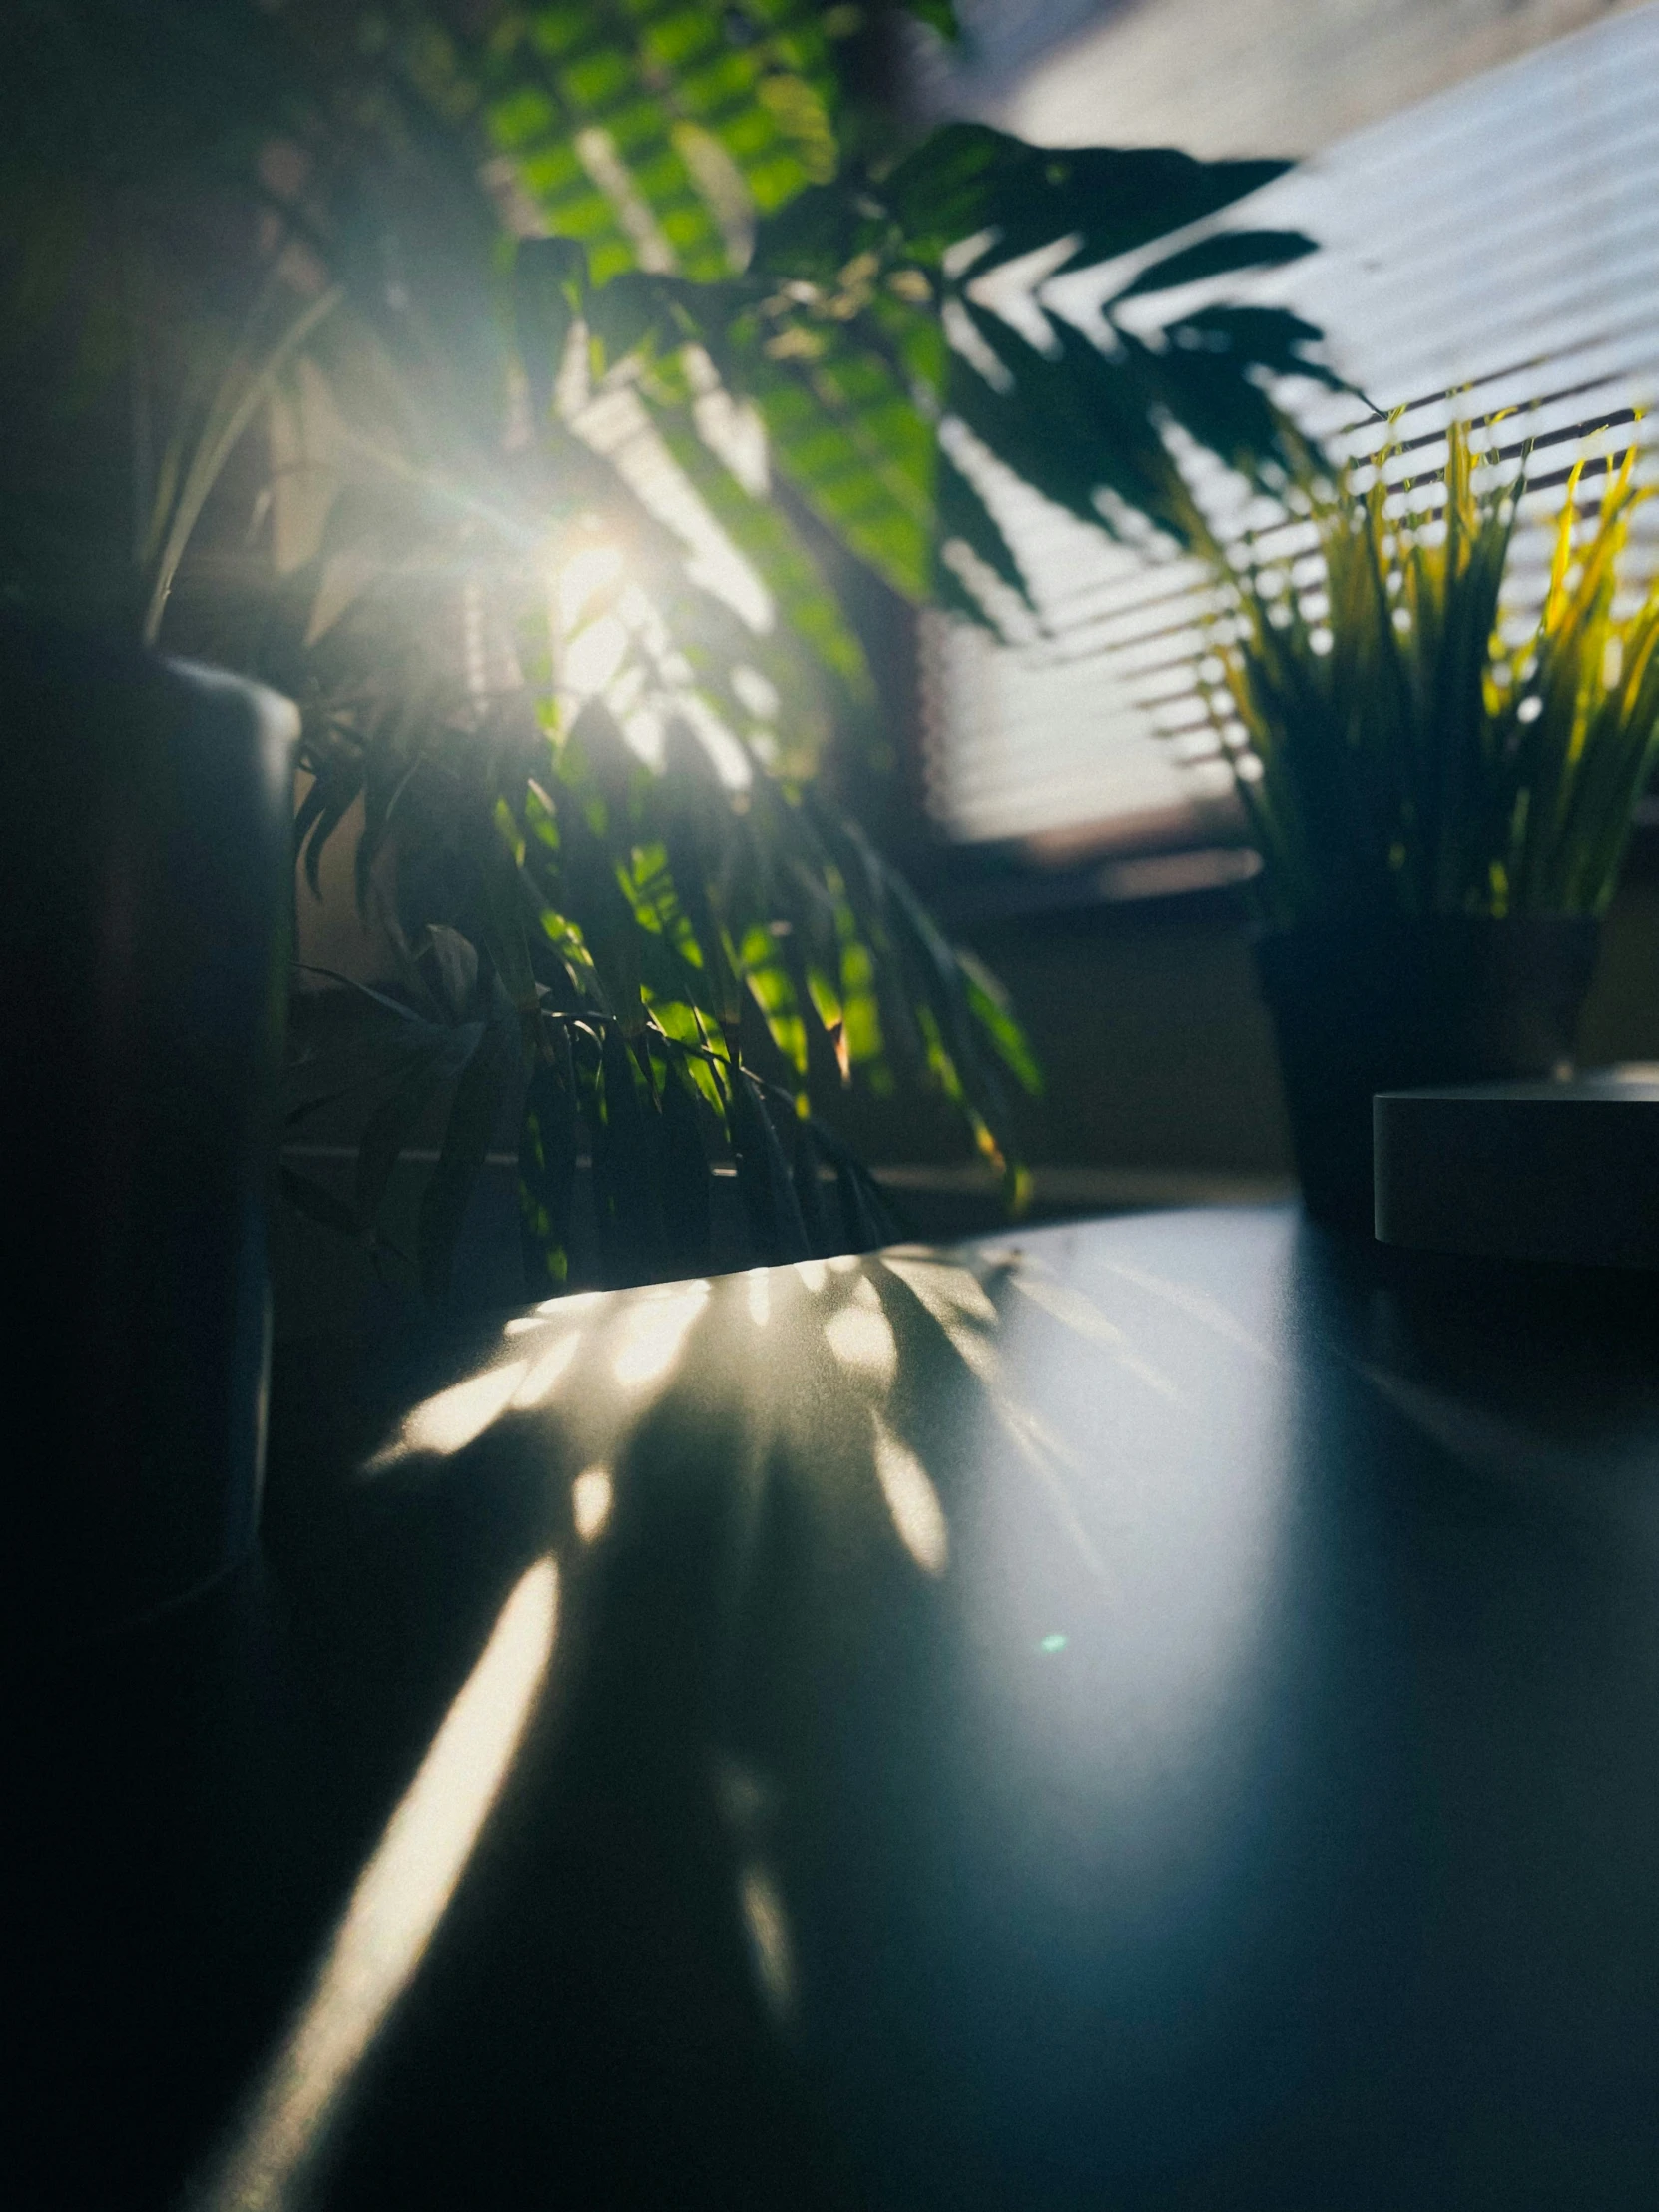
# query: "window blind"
[[1494, 248]]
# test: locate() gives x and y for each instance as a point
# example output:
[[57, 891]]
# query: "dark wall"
[[1155, 1045], [1158, 1051], [1621, 1020]]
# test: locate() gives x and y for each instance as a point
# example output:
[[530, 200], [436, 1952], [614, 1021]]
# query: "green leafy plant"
[[1403, 744], [493, 379]]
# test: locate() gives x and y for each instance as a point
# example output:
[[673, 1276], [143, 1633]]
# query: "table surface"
[[1156, 1713]]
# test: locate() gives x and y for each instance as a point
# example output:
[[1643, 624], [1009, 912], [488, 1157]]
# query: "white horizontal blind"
[[1500, 243]]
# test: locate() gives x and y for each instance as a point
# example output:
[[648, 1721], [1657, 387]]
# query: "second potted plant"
[[1440, 792]]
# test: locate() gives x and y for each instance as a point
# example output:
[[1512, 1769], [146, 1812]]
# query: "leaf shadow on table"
[[654, 1445], [723, 1935]]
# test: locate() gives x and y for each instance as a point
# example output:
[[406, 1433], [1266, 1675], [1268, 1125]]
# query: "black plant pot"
[[145, 892], [1396, 1004]]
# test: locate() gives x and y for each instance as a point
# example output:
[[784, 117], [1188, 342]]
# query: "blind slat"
[[1496, 242]]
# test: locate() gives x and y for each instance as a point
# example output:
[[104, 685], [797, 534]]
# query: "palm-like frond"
[[695, 258], [876, 310]]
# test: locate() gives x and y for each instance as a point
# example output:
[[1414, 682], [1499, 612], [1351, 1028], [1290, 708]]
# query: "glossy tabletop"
[[1159, 1713]]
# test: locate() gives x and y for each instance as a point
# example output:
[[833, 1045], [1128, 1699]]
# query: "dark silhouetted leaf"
[[609, 930], [686, 1185], [698, 832], [455, 962], [1077, 421], [319, 1205], [967, 178], [549, 280], [332, 811], [634, 312], [962, 514], [626, 1165], [547, 1151], [808, 1193], [763, 1176], [938, 15], [390, 1127], [473, 1115], [505, 918], [861, 1226], [1272, 338], [989, 1003], [1219, 256]]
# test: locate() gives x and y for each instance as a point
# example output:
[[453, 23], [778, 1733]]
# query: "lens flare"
[[594, 656], [580, 579]]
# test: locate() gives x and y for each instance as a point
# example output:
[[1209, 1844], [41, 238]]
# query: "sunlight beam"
[[655, 1333], [912, 1501], [455, 1417], [592, 1496], [548, 1372], [395, 1907], [865, 1344]]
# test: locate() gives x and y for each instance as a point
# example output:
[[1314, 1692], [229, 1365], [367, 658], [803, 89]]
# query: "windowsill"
[[970, 887], [1087, 1190]]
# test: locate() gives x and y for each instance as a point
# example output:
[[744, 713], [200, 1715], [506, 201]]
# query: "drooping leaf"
[[1268, 339], [308, 1197], [1217, 255], [588, 877], [507, 914], [1075, 422], [863, 1229], [687, 1183], [988, 1002], [326, 807], [698, 836], [967, 178], [475, 1115], [547, 1160], [454, 959], [808, 1193], [762, 531], [964, 519], [843, 425], [938, 15], [445, 1052], [627, 1165], [763, 1182], [549, 285]]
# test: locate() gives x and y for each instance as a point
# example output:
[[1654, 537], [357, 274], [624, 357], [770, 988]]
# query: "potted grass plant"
[[1441, 784]]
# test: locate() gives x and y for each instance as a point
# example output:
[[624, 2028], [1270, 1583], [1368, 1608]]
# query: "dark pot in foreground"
[[1396, 1005], [145, 894]]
